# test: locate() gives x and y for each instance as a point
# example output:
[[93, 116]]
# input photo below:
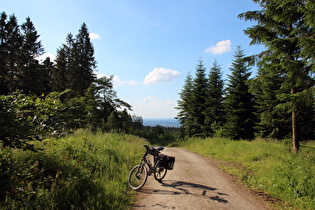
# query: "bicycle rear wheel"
[[137, 177], [159, 172]]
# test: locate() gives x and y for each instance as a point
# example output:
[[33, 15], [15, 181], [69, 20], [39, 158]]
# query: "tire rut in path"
[[195, 183]]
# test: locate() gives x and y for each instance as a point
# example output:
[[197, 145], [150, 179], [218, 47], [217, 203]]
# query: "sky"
[[149, 46]]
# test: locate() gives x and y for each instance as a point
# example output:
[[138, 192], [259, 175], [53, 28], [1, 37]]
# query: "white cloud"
[[161, 75], [220, 47], [118, 82], [94, 36]]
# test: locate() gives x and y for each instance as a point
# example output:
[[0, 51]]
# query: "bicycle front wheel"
[[137, 177], [159, 172]]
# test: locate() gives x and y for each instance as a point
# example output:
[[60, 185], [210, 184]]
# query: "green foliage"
[[267, 166], [239, 102], [286, 29], [81, 171], [214, 111], [159, 135]]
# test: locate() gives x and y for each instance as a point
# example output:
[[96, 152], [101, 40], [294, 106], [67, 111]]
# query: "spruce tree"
[[12, 53], [30, 71], [199, 95], [266, 86], [282, 28], [239, 103], [84, 54], [214, 110], [184, 105], [61, 73], [4, 86], [75, 63]]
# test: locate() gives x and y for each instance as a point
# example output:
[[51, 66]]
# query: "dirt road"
[[195, 183]]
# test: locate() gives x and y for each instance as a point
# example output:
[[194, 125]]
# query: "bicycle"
[[139, 174]]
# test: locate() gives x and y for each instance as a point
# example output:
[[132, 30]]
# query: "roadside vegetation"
[[266, 166], [79, 171], [43, 165]]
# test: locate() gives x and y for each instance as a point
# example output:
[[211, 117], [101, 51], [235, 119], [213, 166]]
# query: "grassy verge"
[[81, 171], [266, 166]]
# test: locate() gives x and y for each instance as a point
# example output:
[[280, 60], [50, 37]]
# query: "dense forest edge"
[[68, 141]]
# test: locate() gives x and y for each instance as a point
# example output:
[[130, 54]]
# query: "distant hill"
[[165, 122]]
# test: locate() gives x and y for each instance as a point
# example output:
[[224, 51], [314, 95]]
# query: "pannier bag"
[[167, 161]]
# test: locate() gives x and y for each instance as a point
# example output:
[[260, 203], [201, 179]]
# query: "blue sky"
[[148, 45]]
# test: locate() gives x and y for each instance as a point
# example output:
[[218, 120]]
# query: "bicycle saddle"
[[160, 148]]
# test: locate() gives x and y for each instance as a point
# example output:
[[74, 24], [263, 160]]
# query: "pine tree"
[[61, 73], [4, 86], [75, 64], [185, 103], [84, 54], [30, 71], [214, 111], [266, 87], [198, 104], [281, 27], [239, 104], [12, 54]]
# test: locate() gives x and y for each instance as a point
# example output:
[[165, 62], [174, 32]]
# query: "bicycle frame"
[[138, 174], [147, 163]]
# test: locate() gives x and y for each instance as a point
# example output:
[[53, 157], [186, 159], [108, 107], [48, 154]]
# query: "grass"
[[266, 166], [81, 171]]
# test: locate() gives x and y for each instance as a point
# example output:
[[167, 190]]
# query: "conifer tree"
[[214, 110], [4, 86], [266, 86], [239, 103], [76, 63], [61, 74], [84, 53], [282, 28], [13, 43], [30, 71], [184, 105], [198, 104]]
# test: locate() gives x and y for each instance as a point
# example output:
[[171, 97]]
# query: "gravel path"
[[195, 183]]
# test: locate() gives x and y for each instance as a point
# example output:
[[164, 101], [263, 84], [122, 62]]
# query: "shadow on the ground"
[[187, 188]]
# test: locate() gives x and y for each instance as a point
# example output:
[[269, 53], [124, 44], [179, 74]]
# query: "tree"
[[239, 103], [282, 29], [30, 71], [4, 86], [198, 103], [214, 111], [184, 115], [12, 47], [266, 86], [75, 64], [85, 64]]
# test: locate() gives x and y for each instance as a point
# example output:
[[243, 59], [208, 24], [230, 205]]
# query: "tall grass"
[[266, 166], [81, 171]]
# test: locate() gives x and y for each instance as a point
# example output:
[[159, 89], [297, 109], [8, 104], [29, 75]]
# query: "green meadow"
[[80, 171], [266, 166], [87, 170]]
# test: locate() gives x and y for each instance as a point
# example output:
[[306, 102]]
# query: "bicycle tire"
[[159, 172], [137, 177]]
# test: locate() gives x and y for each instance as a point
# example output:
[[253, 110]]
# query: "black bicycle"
[[139, 174]]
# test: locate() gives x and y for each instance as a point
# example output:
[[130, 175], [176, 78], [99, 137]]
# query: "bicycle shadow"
[[173, 187]]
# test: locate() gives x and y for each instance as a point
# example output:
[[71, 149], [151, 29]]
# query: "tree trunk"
[[295, 140]]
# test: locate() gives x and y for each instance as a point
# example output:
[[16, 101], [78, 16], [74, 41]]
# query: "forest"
[[49, 98], [276, 103]]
